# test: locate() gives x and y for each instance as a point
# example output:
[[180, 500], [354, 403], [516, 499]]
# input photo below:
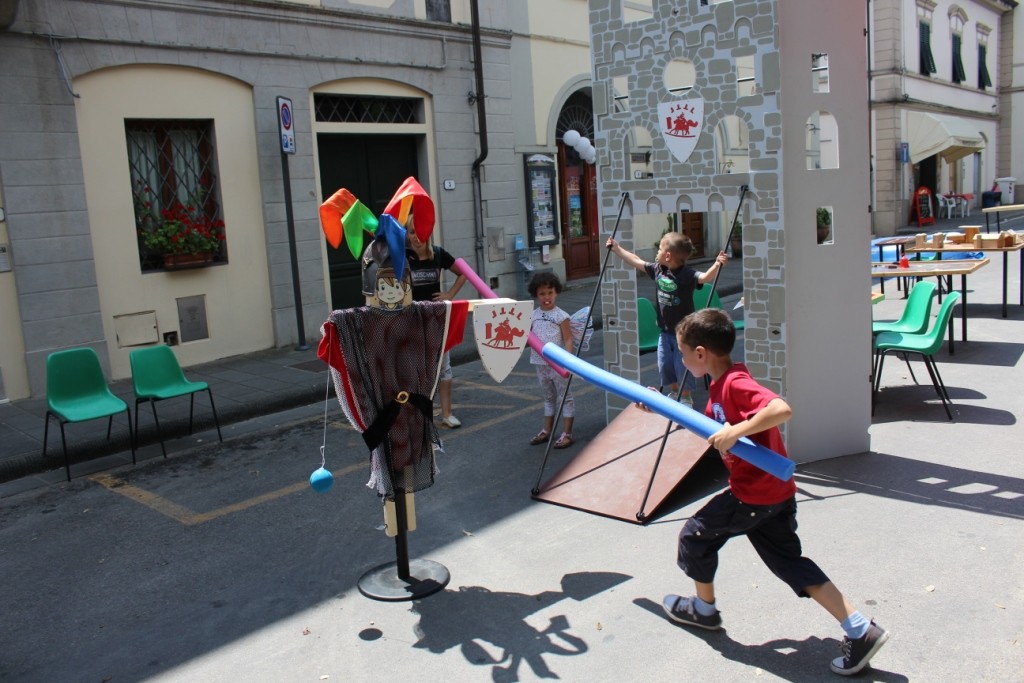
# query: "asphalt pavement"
[[220, 563]]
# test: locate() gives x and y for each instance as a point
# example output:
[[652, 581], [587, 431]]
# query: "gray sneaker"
[[681, 610], [857, 653]]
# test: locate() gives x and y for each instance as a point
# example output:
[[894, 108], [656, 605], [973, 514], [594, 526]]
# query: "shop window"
[[175, 195]]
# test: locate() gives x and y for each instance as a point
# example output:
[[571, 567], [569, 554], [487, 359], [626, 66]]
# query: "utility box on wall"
[[192, 318]]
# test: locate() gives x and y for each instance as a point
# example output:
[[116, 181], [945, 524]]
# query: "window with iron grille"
[[959, 75], [439, 10], [983, 78], [175, 195], [367, 109], [927, 65]]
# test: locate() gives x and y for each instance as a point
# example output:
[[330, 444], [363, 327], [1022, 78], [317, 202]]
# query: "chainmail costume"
[[385, 366]]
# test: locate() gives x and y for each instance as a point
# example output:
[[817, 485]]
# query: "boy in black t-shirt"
[[675, 282]]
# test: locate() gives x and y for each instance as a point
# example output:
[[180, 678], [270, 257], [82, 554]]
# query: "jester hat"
[[411, 198], [343, 216]]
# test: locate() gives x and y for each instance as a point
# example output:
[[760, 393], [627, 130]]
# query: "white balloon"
[[571, 137], [582, 144], [591, 155]]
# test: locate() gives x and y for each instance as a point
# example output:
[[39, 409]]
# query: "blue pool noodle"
[[698, 423]]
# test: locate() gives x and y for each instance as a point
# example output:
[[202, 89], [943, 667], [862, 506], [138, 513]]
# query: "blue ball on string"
[[321, 480]]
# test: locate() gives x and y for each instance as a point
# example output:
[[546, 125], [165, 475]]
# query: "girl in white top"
[[551, 324]]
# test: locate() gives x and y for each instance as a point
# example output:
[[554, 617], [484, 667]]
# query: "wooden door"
[[579, 218], [693, 227], [371, 167]]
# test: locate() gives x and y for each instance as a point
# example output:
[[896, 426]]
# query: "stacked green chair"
[[647, 325], [914, 320], [924, 344], [705, 297], [77, 391], [157, 376]]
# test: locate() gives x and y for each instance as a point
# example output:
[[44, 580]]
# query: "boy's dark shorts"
[[771, 529]]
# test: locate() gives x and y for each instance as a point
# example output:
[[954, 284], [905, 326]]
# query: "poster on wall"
[[540, 199]]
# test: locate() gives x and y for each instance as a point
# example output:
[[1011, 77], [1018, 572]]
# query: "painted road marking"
[[188, 517]]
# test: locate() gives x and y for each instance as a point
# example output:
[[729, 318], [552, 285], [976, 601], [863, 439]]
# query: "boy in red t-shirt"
[[756, 505]]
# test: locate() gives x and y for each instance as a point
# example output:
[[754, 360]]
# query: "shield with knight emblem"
[[681, 123], [501, 330]]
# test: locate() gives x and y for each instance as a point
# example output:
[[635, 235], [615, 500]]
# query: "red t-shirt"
[[735, 397]]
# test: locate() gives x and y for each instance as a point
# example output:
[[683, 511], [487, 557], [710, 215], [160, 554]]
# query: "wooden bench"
[[998, 211]]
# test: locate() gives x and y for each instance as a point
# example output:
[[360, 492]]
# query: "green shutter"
[[925, 43], [983, 79], [959, 75]]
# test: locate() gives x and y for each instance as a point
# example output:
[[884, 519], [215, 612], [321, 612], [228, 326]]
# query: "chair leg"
[[110, 423], [64, 443], [216, 420], [46, 437], [878, 380], [906, 359], [46, 432], [131, 432], [159, 434], [940, 386], [191, 408]]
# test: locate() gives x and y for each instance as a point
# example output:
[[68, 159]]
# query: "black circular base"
[[425, 578]]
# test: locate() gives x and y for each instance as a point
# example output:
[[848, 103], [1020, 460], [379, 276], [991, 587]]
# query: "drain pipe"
[[481, 114]]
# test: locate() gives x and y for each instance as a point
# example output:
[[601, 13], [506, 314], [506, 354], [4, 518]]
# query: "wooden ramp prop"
[[611, 474], [700, 427]]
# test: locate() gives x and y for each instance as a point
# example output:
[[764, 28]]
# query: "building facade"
[[118, 113], [937, 70]]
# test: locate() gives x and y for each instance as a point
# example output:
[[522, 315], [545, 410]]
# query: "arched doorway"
[[577, 188]]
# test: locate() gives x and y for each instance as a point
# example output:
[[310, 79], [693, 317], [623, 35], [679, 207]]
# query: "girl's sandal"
[[564, 441], [541, 437]]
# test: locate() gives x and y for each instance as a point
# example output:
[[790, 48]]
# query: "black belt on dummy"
[[379, 428]]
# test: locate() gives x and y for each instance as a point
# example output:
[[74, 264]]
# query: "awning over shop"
[[951, 137]]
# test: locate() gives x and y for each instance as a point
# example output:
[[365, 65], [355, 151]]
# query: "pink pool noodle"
[[474, 279]]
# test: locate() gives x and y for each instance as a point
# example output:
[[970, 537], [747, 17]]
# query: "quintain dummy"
[[385, 359]]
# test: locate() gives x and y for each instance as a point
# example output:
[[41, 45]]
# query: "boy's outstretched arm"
[[627, 257], [772, 415], [709, 274]]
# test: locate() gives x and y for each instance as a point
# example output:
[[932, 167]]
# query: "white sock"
[[855, 625], [705, 609]]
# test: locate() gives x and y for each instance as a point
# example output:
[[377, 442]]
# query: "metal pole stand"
[[402, 579]]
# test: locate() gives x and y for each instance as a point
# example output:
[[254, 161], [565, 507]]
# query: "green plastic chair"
[[916, 312], [914, 320], [647, 325], [157, 376], [700, 300], [77, 391], [924, 344]]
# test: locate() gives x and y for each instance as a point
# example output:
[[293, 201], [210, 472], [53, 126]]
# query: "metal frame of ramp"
[[611, 474]]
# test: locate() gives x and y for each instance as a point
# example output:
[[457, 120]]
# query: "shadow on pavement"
[[790, 660], [915, 481], [464, 618]]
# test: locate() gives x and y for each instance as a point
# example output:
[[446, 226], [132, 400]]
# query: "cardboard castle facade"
[[772, 95]]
